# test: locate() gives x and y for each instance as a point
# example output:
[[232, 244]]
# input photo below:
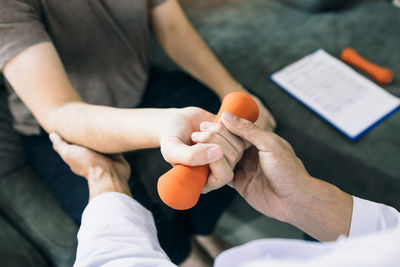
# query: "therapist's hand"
[[269, 174], [221, 171], [265, 119], [274, 181], [104, 173]]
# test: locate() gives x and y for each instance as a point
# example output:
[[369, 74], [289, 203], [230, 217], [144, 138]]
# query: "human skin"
[[38, 77], [269, 176], [104, 173], [274, 181]]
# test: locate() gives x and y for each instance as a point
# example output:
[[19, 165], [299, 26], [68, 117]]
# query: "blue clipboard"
[[353, 138]]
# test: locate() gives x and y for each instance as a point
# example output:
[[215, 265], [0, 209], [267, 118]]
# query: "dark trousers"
[[165, 90]]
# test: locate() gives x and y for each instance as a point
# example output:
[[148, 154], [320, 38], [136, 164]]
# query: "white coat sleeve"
[[369, 217], [117, 231]]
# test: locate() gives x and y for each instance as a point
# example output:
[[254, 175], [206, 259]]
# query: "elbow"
[[47, 121], [56, 119]]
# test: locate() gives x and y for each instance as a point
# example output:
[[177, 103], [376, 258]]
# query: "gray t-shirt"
[[103, 44]]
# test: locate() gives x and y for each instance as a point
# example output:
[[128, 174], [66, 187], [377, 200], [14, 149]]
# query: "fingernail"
[[52, 137], [205, 125], [195, 135], [229, 117], [214, 153]]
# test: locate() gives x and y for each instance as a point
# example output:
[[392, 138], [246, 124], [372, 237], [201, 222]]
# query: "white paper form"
[[349, 101]]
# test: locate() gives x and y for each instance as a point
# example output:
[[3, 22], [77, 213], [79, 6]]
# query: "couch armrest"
[[15, 250], [27, 204], [33, 211]]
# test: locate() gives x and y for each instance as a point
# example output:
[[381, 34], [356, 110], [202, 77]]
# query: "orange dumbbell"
[[180, 187], [378, 73]]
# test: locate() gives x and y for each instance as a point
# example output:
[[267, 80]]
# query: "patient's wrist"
[[103, 180], [163, 122]]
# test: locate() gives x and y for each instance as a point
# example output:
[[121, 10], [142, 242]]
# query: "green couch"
[[34, 230], [253, 38]]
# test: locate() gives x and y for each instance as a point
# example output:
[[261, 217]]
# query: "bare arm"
[[39, 79], [185, 46]]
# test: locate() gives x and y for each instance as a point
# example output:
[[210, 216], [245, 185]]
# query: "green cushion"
[[11, 154], [31, 208], [15, 250], [28, 204]]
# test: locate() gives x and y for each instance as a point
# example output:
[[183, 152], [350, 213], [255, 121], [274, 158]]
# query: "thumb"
[[70, 154], [177, 152], [247, 130], [59, 145]]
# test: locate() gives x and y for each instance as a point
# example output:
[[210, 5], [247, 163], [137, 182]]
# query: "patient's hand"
[[175, 139], [233, 147], [104, 173]]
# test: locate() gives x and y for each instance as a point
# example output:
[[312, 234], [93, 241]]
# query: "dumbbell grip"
[[180, 187]]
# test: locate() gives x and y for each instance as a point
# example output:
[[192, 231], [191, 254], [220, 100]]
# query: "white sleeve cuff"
[[115, 231], [113, 208], [369, 217]]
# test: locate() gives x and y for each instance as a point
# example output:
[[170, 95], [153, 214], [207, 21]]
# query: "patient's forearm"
[[324, 212], [39, 78], [107, 129]]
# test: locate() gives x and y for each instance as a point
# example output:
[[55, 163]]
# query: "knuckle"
[[204, 137], [277, 141], [212, 185], [225, 176], [63, 152], [241, 146], [232, 157], [208, 136], [229, 176], [195, 110], [215, 183], [187, 112], [245, 124], [238, 157], [190, 109], [217, 127]]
